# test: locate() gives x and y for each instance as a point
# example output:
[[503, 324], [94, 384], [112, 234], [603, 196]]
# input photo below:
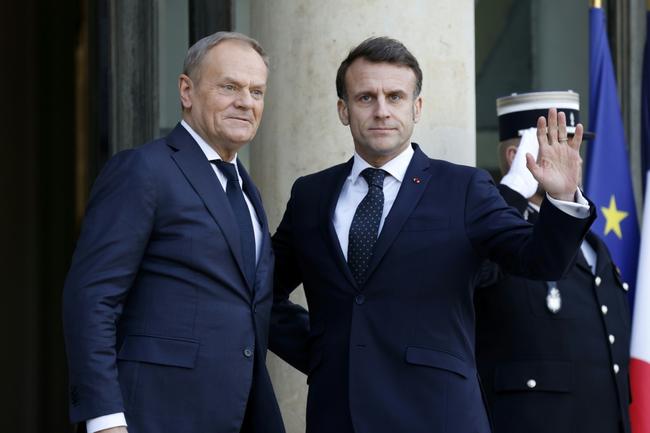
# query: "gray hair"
[[197, 52]]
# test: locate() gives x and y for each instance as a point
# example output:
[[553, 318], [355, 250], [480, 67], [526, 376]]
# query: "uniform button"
[[626, 286], [360, 299], [248, 352], [604, 309], [611, 339], [532, 383], [254, 308], [616, 368], [598, 280]]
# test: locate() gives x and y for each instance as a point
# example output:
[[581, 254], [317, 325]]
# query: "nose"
[[381, 108], [244, 99]]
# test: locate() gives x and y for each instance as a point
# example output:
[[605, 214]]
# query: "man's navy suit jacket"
[[157, 284], [397, 355]]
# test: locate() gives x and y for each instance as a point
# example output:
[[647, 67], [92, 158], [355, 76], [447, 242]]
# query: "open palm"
[[558, 164]]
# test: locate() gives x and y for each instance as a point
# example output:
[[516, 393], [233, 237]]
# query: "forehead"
[[365, 75], [234, 59]]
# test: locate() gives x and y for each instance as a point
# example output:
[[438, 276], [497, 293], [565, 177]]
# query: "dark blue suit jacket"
[[397, 355], [159, 319]]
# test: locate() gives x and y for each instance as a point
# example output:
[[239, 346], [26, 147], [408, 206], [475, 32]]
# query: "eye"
[[229, 88], [257, 94], [365, 98], [395, 97]]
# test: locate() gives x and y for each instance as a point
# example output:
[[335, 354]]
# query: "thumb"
[[533, 167]]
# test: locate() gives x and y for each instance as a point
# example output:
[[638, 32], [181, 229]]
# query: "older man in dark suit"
[[167, 303]]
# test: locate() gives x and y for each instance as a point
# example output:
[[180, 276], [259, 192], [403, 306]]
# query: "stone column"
[[301, 133]]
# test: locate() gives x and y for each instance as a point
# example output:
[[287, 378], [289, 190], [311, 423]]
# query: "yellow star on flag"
[[614, 218]]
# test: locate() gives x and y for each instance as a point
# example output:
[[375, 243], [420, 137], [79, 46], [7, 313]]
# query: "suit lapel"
[[327, 208], [413, 186], [196, 168]]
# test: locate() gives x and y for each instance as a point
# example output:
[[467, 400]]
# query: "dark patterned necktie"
[[242, 215], [365, 224]]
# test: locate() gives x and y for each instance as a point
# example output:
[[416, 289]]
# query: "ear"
[[417, 109], [185, 86], [511, 151], [344, 115]]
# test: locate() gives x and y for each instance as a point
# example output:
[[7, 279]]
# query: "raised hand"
[[558, 166]]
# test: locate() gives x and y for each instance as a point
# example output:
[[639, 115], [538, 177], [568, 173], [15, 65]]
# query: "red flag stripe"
[[640, 381]]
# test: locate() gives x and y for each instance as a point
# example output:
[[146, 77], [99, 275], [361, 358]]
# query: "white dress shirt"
[[94, 425], [355, 189]]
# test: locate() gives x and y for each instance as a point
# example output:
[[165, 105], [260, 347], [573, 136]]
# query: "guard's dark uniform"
[[555, 372]]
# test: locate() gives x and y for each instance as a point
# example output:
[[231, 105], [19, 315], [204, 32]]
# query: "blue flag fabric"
[[608, 180], [645, 107]]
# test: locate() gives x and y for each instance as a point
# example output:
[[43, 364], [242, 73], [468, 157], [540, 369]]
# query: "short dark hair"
[[380, 49]]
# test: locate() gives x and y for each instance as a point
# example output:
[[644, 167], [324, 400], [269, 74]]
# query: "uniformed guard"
[[552, 355]]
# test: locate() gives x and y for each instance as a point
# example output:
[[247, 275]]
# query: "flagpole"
[[598, 4]]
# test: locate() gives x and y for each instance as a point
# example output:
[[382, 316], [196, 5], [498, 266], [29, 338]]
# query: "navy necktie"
[[365, 224], [242, 215]]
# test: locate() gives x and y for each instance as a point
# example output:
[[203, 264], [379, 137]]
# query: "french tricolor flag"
[[640, 349]]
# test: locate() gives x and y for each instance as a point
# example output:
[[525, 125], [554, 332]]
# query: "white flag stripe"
[[640, 347]]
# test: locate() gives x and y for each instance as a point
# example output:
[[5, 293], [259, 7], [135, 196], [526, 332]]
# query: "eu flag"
[[608, 181]]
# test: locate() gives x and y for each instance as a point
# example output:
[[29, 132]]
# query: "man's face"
[[381, 109], [224, 101]]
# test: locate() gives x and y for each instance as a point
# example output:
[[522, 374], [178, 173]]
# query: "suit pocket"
[[422, 224], [439, 360], [159, 350], [549, 376]]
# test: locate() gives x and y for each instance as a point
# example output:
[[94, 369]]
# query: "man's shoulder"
[[322, 178], [457, 171]]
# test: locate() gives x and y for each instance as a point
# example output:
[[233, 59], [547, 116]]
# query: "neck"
[[537, 199]]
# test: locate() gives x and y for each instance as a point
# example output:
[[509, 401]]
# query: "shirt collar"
[[396, 167], [209, 152]]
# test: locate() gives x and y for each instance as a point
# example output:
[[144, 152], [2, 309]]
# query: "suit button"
[[360, 299], [611, 339], [616, 368], [604, 309], [248, 352], [598, 280], [532, 383], [254, 308]]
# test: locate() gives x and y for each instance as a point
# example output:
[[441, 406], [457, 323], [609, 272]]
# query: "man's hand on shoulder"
[[558, 166]]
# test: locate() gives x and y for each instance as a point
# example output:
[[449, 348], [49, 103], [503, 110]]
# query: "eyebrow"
[[241, 83]]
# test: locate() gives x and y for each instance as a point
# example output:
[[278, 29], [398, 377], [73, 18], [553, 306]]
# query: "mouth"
[[382, 130], [240, 119]]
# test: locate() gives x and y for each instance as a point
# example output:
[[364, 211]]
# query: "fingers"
[[552, 126], [541, 131], [577, 137], [561, 125]]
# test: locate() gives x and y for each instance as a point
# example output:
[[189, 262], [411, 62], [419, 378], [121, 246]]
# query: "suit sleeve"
[[489, 272], [513, 198], [115, 232], [289, 329], [544, 251]]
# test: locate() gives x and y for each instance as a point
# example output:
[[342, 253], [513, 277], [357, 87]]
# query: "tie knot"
[[227, 168], [374, 177]]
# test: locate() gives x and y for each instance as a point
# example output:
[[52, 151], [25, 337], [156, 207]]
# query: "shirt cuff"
[[94, 425], [578, 209]]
